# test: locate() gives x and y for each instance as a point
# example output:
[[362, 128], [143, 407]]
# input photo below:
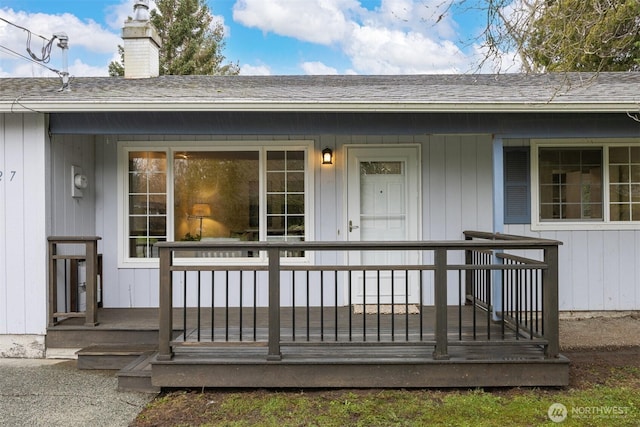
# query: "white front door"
[[383, 204]]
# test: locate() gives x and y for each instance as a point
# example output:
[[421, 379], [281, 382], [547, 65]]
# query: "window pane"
[[275, 204], [276, 161], [295, 160], [276, 182], [295, 182], [285, 196], [619, 155], [147, 202], [624, 176], [216, 195], [570, 183]]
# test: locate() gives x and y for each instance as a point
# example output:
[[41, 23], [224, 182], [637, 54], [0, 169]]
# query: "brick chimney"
[[141, 44]]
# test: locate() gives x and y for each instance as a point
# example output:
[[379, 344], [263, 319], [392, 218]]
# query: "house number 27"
[[11, 175]]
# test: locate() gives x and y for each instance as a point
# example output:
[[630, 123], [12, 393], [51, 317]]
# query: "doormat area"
[[386, 309]]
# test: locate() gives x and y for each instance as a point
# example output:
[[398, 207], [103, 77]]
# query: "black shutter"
[[517, 187]]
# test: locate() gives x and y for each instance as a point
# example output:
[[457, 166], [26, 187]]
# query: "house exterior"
[[137, 161]]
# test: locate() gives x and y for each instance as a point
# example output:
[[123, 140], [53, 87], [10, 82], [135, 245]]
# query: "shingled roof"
[[567, 92]]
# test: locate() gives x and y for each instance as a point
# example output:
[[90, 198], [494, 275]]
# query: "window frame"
[[170, 148], [588, 143]]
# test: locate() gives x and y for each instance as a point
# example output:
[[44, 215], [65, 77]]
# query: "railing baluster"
[[255, 305], [322, 306], [460, 302], [308, 309], [184, 306], [364, 305], [421, 306], [240, 315], [406, 305], [350, 305], [293, 305], [393, 304], [213, 305], [335, 296], [377, 303], [488, 301], [226, 306], [199, 304]]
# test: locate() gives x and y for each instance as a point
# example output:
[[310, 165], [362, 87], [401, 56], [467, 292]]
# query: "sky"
[[264, 37]]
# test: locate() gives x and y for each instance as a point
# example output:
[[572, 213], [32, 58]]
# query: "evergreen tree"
[[191, 43]]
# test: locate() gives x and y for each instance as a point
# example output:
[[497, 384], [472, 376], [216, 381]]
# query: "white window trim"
[[170, 147], [605, 223]]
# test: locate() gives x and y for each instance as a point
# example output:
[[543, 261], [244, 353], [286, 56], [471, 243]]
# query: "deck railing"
[[490, 289], [65, 255]]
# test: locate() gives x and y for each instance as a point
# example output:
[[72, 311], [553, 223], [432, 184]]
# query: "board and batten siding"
[[24, 214], [598, 269]]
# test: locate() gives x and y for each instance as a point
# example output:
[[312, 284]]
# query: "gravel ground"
[[45, 392], [605, 331]]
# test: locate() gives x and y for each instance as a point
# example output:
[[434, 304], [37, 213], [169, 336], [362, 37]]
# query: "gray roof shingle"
[[504, 92]]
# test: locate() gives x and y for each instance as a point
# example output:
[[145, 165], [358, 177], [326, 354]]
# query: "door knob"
[[352, 227]]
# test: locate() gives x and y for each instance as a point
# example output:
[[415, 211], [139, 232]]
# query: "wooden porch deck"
[[397, 359]]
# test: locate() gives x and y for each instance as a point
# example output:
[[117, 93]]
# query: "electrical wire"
[[13, 52], [46, 49]]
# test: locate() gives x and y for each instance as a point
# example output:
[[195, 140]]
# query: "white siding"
[[599, 270], [457, 186], [23, 223], [72, 216]]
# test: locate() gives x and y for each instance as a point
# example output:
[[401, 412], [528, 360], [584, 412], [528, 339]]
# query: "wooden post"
[[166, 305], [274, 304], [441, 351], [550, 301], [91, 253], [53, 283], [468, 282]]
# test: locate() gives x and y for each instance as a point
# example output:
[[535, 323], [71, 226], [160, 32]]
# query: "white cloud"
[[87, 39], [254, 70], [383, 51], [316, 21], [318, 68], [397, 37], [117, 14]]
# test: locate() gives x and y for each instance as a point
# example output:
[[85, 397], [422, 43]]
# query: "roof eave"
[[346, 107]]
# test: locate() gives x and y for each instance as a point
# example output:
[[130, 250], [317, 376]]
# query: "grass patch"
[[514, 407]]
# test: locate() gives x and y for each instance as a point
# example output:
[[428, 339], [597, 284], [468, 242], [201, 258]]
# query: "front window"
[[214, 194], [598, 184]]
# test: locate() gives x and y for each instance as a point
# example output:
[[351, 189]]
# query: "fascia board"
[[352, 107]]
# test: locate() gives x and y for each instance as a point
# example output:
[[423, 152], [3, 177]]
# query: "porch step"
[[81, 336], [136, 376], [111, 356]]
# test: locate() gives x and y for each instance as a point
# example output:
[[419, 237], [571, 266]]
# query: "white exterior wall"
[[24, 214], [599, 270]]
